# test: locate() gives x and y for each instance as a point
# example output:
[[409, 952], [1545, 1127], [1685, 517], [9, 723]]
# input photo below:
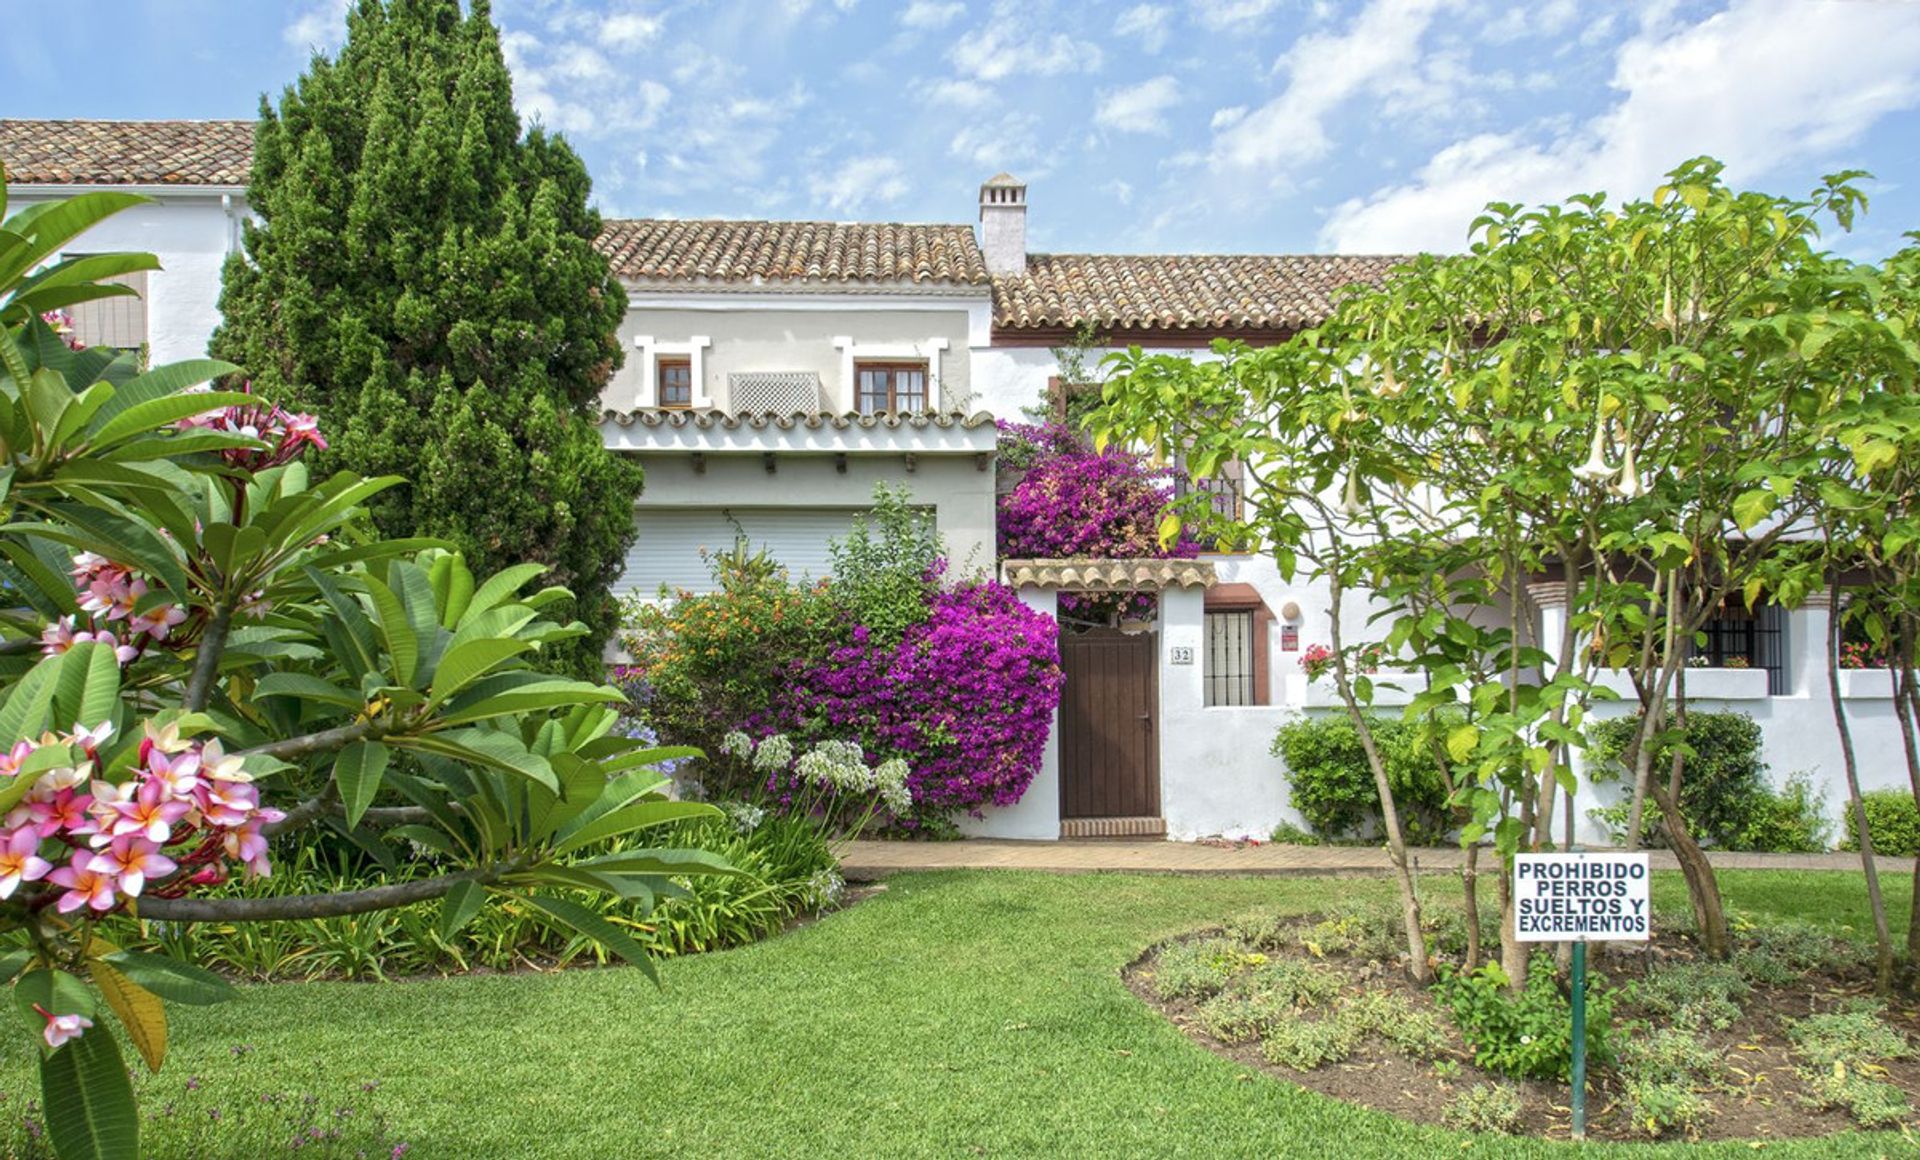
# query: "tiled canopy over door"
[[670, 541]]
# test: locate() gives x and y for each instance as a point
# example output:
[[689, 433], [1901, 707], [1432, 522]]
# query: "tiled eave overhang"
[[717, 433], [1108, 575]]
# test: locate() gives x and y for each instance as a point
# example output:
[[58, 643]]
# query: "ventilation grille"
[[781, 392]]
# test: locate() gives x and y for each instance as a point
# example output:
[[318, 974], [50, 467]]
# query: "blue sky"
[[1231, 125]]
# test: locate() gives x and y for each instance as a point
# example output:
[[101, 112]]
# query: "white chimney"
[[1003, 224]]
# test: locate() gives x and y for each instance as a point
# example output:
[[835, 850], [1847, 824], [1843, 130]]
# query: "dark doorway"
[[1109, 738]]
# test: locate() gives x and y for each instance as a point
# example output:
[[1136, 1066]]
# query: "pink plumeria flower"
[[20, 860], [151, 811], [178, 772], [11, 759], [216, 764], [157, 621], [229, 803], [61, 1028], [92, 739], [85, 885], [61, 810], [166, 738], [247, 845], [132, 861]]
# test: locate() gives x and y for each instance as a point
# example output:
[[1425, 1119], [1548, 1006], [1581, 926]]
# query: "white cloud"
[[1760, 84], [574, 89], [1149, 22], [321, 25], [925, 14], [1012, 143], [1223, 15], [853, 185], [1228, 116], [1122, 191], [959, 94], [1010, 44], [1140, 108], [1379, 49], [626, 31]]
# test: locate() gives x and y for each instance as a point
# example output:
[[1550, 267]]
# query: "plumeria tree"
[[205, 648]]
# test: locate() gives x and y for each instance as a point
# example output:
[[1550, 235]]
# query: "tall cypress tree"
[[423, 277]]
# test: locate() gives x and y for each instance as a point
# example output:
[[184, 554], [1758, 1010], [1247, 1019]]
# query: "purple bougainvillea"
[[967, 697], [1076, 503]]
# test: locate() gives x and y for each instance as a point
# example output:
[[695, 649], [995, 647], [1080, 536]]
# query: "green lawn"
[[955, 1014]]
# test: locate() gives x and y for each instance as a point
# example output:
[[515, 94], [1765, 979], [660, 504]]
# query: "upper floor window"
[[895, 387], [119, 322], [676, 382], [1739, 638]]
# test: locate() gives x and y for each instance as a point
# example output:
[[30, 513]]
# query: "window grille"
[[1224, 492], [779, 392], [1228, 667], [119, 322], [1757, 638]]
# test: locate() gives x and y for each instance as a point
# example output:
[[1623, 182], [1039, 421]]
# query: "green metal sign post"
[[1572, 898], [1580, 1041]]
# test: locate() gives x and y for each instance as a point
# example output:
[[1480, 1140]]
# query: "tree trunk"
[[1650, 718], [1883, 938], [1906, 710], [1703, 889], [1420, 969], [1470, 903], [1513, 952]]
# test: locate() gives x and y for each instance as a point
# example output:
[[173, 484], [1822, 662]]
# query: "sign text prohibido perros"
[[1580, 897]]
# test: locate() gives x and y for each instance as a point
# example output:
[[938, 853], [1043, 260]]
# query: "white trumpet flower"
[[1350, 502], [1629, 486], [1595, 469]]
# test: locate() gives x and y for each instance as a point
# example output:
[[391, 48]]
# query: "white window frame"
[[652, 351], [928, 352]]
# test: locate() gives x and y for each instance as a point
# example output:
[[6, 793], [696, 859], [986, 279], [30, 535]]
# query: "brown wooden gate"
[[1109, 743]]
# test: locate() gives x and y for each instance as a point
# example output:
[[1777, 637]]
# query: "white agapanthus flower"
[[892, 779], [774, 753], [736, 744]]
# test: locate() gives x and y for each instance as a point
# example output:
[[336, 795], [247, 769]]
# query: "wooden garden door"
[[1109, 740]]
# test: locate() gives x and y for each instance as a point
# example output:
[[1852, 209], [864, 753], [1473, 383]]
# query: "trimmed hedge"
[[1893, 816], [1725, 794], [1332, 786]]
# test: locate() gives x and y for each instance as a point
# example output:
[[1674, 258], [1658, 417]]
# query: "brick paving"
[[870, 861]]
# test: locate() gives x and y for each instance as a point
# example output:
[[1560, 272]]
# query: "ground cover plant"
[[1781, 1041], [955, 1014]]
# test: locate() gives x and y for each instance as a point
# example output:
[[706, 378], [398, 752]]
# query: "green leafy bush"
[[1332, 787], [1893, 818], [1662, 1106], [1393, 1019], [1851, 1037], [1872, 1103], [1693, 994], [1528, 1035], [1724, 794], [1485, 1107], [885, 570], [1198, 968], [1290, 983], [1304, 1044]]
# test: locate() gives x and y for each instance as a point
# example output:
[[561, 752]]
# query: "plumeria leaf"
[[357, 771], [459, 907], [579, 919], [172, 979], [139, 1010], [87, 1097]]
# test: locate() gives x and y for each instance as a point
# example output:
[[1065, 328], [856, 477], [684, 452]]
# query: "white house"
[[776, 371]]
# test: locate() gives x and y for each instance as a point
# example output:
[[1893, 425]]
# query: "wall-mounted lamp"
[[1290, 611]]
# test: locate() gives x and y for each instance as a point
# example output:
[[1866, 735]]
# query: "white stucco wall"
[[958, 492], [191, 234], [1037, 814], [781, 333]]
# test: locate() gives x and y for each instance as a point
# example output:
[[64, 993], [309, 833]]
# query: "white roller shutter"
[[667, 550]]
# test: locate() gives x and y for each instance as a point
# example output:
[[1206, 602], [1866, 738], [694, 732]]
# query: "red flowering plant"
[[201, 649], [1075, 503]]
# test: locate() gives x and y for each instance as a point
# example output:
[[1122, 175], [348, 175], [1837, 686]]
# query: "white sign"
[[1182, 654], [1581, 897]]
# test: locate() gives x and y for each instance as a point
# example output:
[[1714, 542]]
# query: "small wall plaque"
[[1182, 654], [1289, 638]]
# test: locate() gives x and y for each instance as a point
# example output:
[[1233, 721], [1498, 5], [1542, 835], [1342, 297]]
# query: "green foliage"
[[1485, 1107], [1724, 794], [1855, 1036], [1331, 785], [1304, 1044], [1395, 1020], [1893, 819], [1662, 1072], [1528, 1035], [1873, 1103], [423, 275], [1197, 968], [1658, 1107], [1693, 995], [885, 569]]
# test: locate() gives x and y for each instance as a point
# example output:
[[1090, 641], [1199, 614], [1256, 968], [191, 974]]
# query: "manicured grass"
[[955, 1014]]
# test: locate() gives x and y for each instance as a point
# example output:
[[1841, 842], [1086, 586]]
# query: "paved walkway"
[[869, 861]]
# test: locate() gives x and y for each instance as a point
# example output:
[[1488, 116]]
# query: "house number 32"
[[1182, 654]]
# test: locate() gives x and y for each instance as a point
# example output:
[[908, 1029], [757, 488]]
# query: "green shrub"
[[1661, 1106], [1871, 1102], [1724, 794], [1263, 930], [1693, 994], [1528, 1035], [1669, 1055], [1485, 1107], [1233, 1017], [1893, 818], [1290, 983], [1394, 1020], [1369, 930], [1304, 1044], [1332, 787], [1849, 1038], [1198, 968], [885, 570]]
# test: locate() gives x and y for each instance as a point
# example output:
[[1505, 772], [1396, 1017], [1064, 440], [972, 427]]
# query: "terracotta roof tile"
[[645, 250], [1108, 575], [126, 152], [808, 420], [1180, 291]]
